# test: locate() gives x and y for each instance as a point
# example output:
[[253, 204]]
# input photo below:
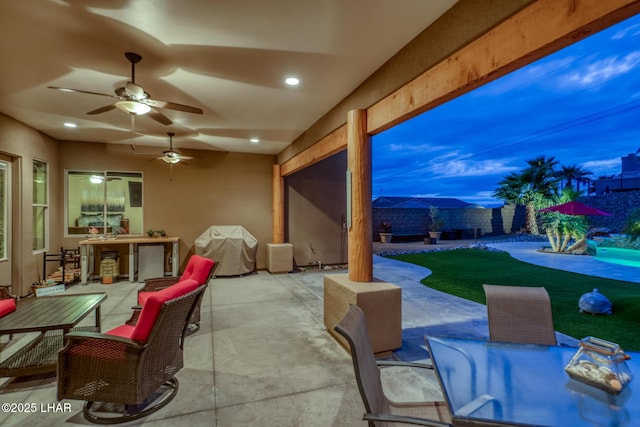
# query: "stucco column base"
[[380, 301], [279, 257]]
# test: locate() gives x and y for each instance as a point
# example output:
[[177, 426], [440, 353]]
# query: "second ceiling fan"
[[132, 98], [171, 156]]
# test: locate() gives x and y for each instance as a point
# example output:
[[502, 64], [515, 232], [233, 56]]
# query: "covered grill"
[[232, 246]]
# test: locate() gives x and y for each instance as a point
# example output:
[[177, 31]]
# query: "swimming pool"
[[622, 256]]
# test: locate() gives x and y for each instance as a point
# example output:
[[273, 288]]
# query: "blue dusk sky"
[[580, 105]]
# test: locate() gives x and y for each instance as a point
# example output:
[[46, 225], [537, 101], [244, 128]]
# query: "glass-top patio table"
[[489, 383], [52, 316]]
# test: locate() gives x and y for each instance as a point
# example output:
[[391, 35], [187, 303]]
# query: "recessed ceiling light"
[[70, 125], [255, 140], [292, 81]]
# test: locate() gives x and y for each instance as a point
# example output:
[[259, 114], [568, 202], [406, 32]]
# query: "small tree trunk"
[[578, 244], [532, 224], [552, 240]]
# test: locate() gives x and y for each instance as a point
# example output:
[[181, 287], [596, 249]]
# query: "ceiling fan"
[[132, 98], [171, 156]]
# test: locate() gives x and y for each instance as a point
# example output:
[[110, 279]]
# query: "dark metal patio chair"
[[380, 411]]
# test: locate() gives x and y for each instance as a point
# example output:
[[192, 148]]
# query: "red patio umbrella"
[[576, 208]]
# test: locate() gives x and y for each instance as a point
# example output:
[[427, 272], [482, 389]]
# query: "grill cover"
[[232, 246]]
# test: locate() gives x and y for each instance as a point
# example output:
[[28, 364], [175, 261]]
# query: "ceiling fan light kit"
[[133, 107], [170, 159]]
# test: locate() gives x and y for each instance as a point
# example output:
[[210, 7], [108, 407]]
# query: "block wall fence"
[[505, 220], [416, 221]]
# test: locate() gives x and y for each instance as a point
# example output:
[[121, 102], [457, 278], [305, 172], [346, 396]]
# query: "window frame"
[[105, 210], [37, 205], [5, 226]]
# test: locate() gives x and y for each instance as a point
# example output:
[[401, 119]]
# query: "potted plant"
[[155, 233], [436, 224], [385, 234]]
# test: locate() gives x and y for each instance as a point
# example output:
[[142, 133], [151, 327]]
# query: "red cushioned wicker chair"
[[128, 372], [198, 268], [7, 302]]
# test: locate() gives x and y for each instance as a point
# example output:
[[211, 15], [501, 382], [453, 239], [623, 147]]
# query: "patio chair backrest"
[[520, 314], [353, 327], [199, 269], [152, 307]]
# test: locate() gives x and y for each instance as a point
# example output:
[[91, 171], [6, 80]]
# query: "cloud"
[[413, 148], [604, 70], [465, 166], [603, 167], [632, 30], [426, 195], [484, 198]]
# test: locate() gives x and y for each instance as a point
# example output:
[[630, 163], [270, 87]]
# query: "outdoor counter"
[[87, 253]]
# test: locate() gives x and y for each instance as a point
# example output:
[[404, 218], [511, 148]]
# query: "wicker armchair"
[[520, 314], [380, 411], [7, 302], [128, 372], [198, 268]]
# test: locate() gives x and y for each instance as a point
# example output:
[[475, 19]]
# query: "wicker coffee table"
[[53, 317]]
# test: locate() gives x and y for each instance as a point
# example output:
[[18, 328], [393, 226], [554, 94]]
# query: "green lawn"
[[463, 272]]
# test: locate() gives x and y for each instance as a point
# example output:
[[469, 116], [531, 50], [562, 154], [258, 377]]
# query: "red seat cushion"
[[7, 306], [150, 310]]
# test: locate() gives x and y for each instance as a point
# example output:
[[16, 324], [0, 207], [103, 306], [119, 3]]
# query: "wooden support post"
[[360, 235], [278, 206]]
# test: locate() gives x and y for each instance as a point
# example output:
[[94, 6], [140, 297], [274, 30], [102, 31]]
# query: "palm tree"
[[544, 163], [561, 228], [582, 176], [575, 173], [633, 224], [566, 175], [530, 187]]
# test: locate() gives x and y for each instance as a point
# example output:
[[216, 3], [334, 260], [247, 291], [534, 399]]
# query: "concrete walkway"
[[589, 265]]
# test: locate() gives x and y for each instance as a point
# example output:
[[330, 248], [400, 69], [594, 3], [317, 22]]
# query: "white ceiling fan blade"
[[159, 117], [102, 109], [64, 89], [172, 106]]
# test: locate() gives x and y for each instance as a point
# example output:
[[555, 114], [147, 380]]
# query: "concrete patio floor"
[[263, 358]]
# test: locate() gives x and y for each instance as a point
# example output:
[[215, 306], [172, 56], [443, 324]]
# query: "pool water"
[[630, 257]]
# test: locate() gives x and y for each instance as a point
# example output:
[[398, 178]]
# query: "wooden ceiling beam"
[[536, 31]]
